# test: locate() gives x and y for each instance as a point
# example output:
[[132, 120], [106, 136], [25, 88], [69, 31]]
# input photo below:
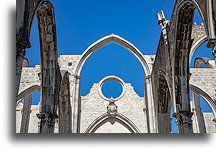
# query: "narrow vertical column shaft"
[[145, 116], [151, 107], [26, 114], [19, 62], [164, 123], [75, 103], [198, 115]]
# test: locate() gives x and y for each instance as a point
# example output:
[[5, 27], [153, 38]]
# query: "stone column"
[[22, 38], [145, 112], [72, 80], [47, 122], [184, 122], [164, 123], [50, 93], [26, 114], [150, 104], [75, 102], [198, 115], [19, 62], [184, 113], [64, 106]]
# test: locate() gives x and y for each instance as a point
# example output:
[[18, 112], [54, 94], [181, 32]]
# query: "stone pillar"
[[150, 104], [184, 113], [19, 62], [145, 112], [47, 122], [184, 122], [22, 38], [64, 106], [50, 93], [75, 102], [164, 123], [26, 114], [198, 115], [72, 79]]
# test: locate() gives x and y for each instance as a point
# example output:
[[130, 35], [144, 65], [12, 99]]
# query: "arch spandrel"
[[112, 38]]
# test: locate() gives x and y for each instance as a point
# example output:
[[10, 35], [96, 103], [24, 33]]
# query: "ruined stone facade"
[[168, 79]]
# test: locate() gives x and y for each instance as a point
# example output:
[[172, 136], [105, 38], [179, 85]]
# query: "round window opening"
[[111, 87]]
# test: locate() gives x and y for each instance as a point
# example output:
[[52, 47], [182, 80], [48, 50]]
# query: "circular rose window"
[[107, 94]]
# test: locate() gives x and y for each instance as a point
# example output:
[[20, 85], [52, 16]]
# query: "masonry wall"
[[33, 121], [131, 105], [209, 124], [30, 77], [204, 78]]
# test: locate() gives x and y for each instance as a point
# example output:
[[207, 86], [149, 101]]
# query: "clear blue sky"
[[80, 23]]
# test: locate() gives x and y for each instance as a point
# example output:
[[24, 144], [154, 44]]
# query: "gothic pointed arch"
[[50, 71], [112, 38], [196, 45], [181, 23], [27, 92], [106, 118], [210, 101], [205, 10]]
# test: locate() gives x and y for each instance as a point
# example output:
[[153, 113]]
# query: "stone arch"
[[31, 8], [49, 57], [106, 118], [38, 5], [28, 92], [210, 101], [198, 117], [196, 45], [112, 38], [26, 109], [205, 10], [182, 46], [198, 62], [198, 114], [50, 72]]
